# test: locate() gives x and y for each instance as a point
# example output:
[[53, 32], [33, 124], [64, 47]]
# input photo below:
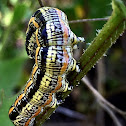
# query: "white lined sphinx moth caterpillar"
[[50, 42]]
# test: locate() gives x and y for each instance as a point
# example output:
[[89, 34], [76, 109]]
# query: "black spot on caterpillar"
[[50, 42]]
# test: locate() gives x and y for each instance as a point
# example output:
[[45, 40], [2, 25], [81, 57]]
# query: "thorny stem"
[[103, 41]]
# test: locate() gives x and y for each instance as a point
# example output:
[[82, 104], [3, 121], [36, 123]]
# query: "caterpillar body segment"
[[52, 29], [50, 42], [28, 112], [21, 117], [57, 59], [28, 104], [34, 108], [49, 82], [55, 63]]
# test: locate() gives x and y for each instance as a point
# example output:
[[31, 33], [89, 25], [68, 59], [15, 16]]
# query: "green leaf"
[[19, 13], [10, 73], [4, 118], [17, 16]]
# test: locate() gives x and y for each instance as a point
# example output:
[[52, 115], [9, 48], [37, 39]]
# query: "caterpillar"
[[50, 42]]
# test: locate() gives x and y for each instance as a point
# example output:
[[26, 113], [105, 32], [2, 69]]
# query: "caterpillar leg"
[[73, 66], [74, 39], [65, 84], [43, 99], [77, 69], [61, 84], [51, 102], [80, 39]]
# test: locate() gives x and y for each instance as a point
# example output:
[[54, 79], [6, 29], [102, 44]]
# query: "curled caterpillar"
[[50, 42]]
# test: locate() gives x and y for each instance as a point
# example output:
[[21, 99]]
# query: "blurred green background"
[[15, 66]]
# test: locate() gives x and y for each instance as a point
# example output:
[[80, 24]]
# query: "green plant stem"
[[106, 37], [103, 41]]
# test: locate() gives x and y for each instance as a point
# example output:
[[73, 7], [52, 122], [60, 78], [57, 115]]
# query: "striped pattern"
[[50, 42]]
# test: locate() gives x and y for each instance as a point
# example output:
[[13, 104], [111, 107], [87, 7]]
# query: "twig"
[[100, 87], [101, 76], [101, 98], [40, 2], [103, 102], [111, 113], [88, 20], [70, 113]]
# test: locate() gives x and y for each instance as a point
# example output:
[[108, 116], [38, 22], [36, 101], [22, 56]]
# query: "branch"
[[71, 113], [88, 20], [40, 2], [101, 98], [111, 113], [103, 41], [104, 103]]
